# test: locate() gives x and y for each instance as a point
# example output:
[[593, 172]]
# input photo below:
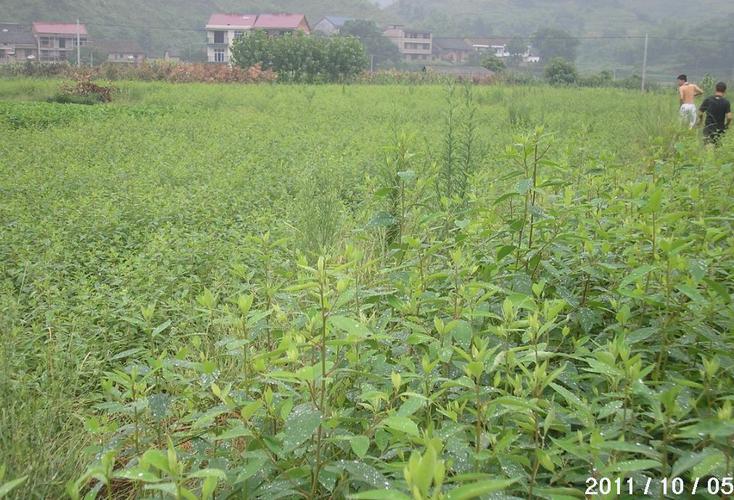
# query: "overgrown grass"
[[161, 279]]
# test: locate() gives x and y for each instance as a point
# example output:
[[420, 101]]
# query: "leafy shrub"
[[299, 58], [84, 91], [493, 63], [34, 69], [560, 72]]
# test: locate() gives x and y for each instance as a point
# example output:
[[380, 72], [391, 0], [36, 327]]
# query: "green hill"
[[577, 16]]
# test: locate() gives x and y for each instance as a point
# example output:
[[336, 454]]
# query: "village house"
[[123, 52], [331, 25], [499, 47], [57, 42], [223, 29], [17, 43], [453, 50], [281, 24], [414, 45]]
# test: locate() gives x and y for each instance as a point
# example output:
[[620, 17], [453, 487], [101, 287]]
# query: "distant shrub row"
[[557, 72], [148, 71]]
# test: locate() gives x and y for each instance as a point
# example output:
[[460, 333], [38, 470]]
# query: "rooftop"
[[279, 21], [16, 34], [338, 21], [233, 20], [451, 44], [59, 28]]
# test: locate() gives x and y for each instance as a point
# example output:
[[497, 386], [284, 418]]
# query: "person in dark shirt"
[[718, 115]]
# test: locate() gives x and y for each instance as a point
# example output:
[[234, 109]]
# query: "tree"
[[252, 49], [493, 63], [558, 71], [375, 43], [517, 47], [552, 43]]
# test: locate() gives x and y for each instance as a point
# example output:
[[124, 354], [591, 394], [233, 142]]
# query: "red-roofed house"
[[223, 29], [57, 41], [279, 24]]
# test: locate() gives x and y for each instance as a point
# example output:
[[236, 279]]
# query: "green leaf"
[[253, 466], [360, 445], [6, 488], [631, 466], [402, 424], [411, 405], [690, 460], [360, 471], [156, 458], [201, 474], [475, 490], [692, 294], [160, 328], [635, 275], [301, 424], [349, 325]]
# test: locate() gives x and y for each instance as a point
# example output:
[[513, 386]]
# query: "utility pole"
[[78, 45], [644, 64]]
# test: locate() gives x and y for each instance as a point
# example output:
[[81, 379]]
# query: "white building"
[[223, 29]]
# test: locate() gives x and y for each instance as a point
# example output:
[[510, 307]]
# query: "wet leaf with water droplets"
[[300, 425]]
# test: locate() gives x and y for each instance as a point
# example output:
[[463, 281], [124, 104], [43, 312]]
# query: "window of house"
[[44, 41], [238, 34], [219, 37], [219, 55], [62, 43]]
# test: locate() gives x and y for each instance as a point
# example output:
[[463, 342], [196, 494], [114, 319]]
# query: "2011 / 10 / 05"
[[670, 486]]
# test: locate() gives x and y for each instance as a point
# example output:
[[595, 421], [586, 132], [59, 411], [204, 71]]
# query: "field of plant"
[[273, 291]]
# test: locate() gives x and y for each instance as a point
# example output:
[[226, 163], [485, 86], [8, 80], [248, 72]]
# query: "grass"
[[161, 278]]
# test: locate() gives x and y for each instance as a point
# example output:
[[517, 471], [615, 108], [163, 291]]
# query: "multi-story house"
[[223, 29], [57, 42], [17, 43], [414, 45]]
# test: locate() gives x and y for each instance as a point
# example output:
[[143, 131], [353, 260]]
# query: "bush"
[[83, 91], [561, 72], [187, 73], [493, 63], [34, 69], [298, 58]]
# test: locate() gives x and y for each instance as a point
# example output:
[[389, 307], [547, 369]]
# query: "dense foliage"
[[299, 58], [559, 71], [554, 43], [493, 63], [383, 292], [383, 52]]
